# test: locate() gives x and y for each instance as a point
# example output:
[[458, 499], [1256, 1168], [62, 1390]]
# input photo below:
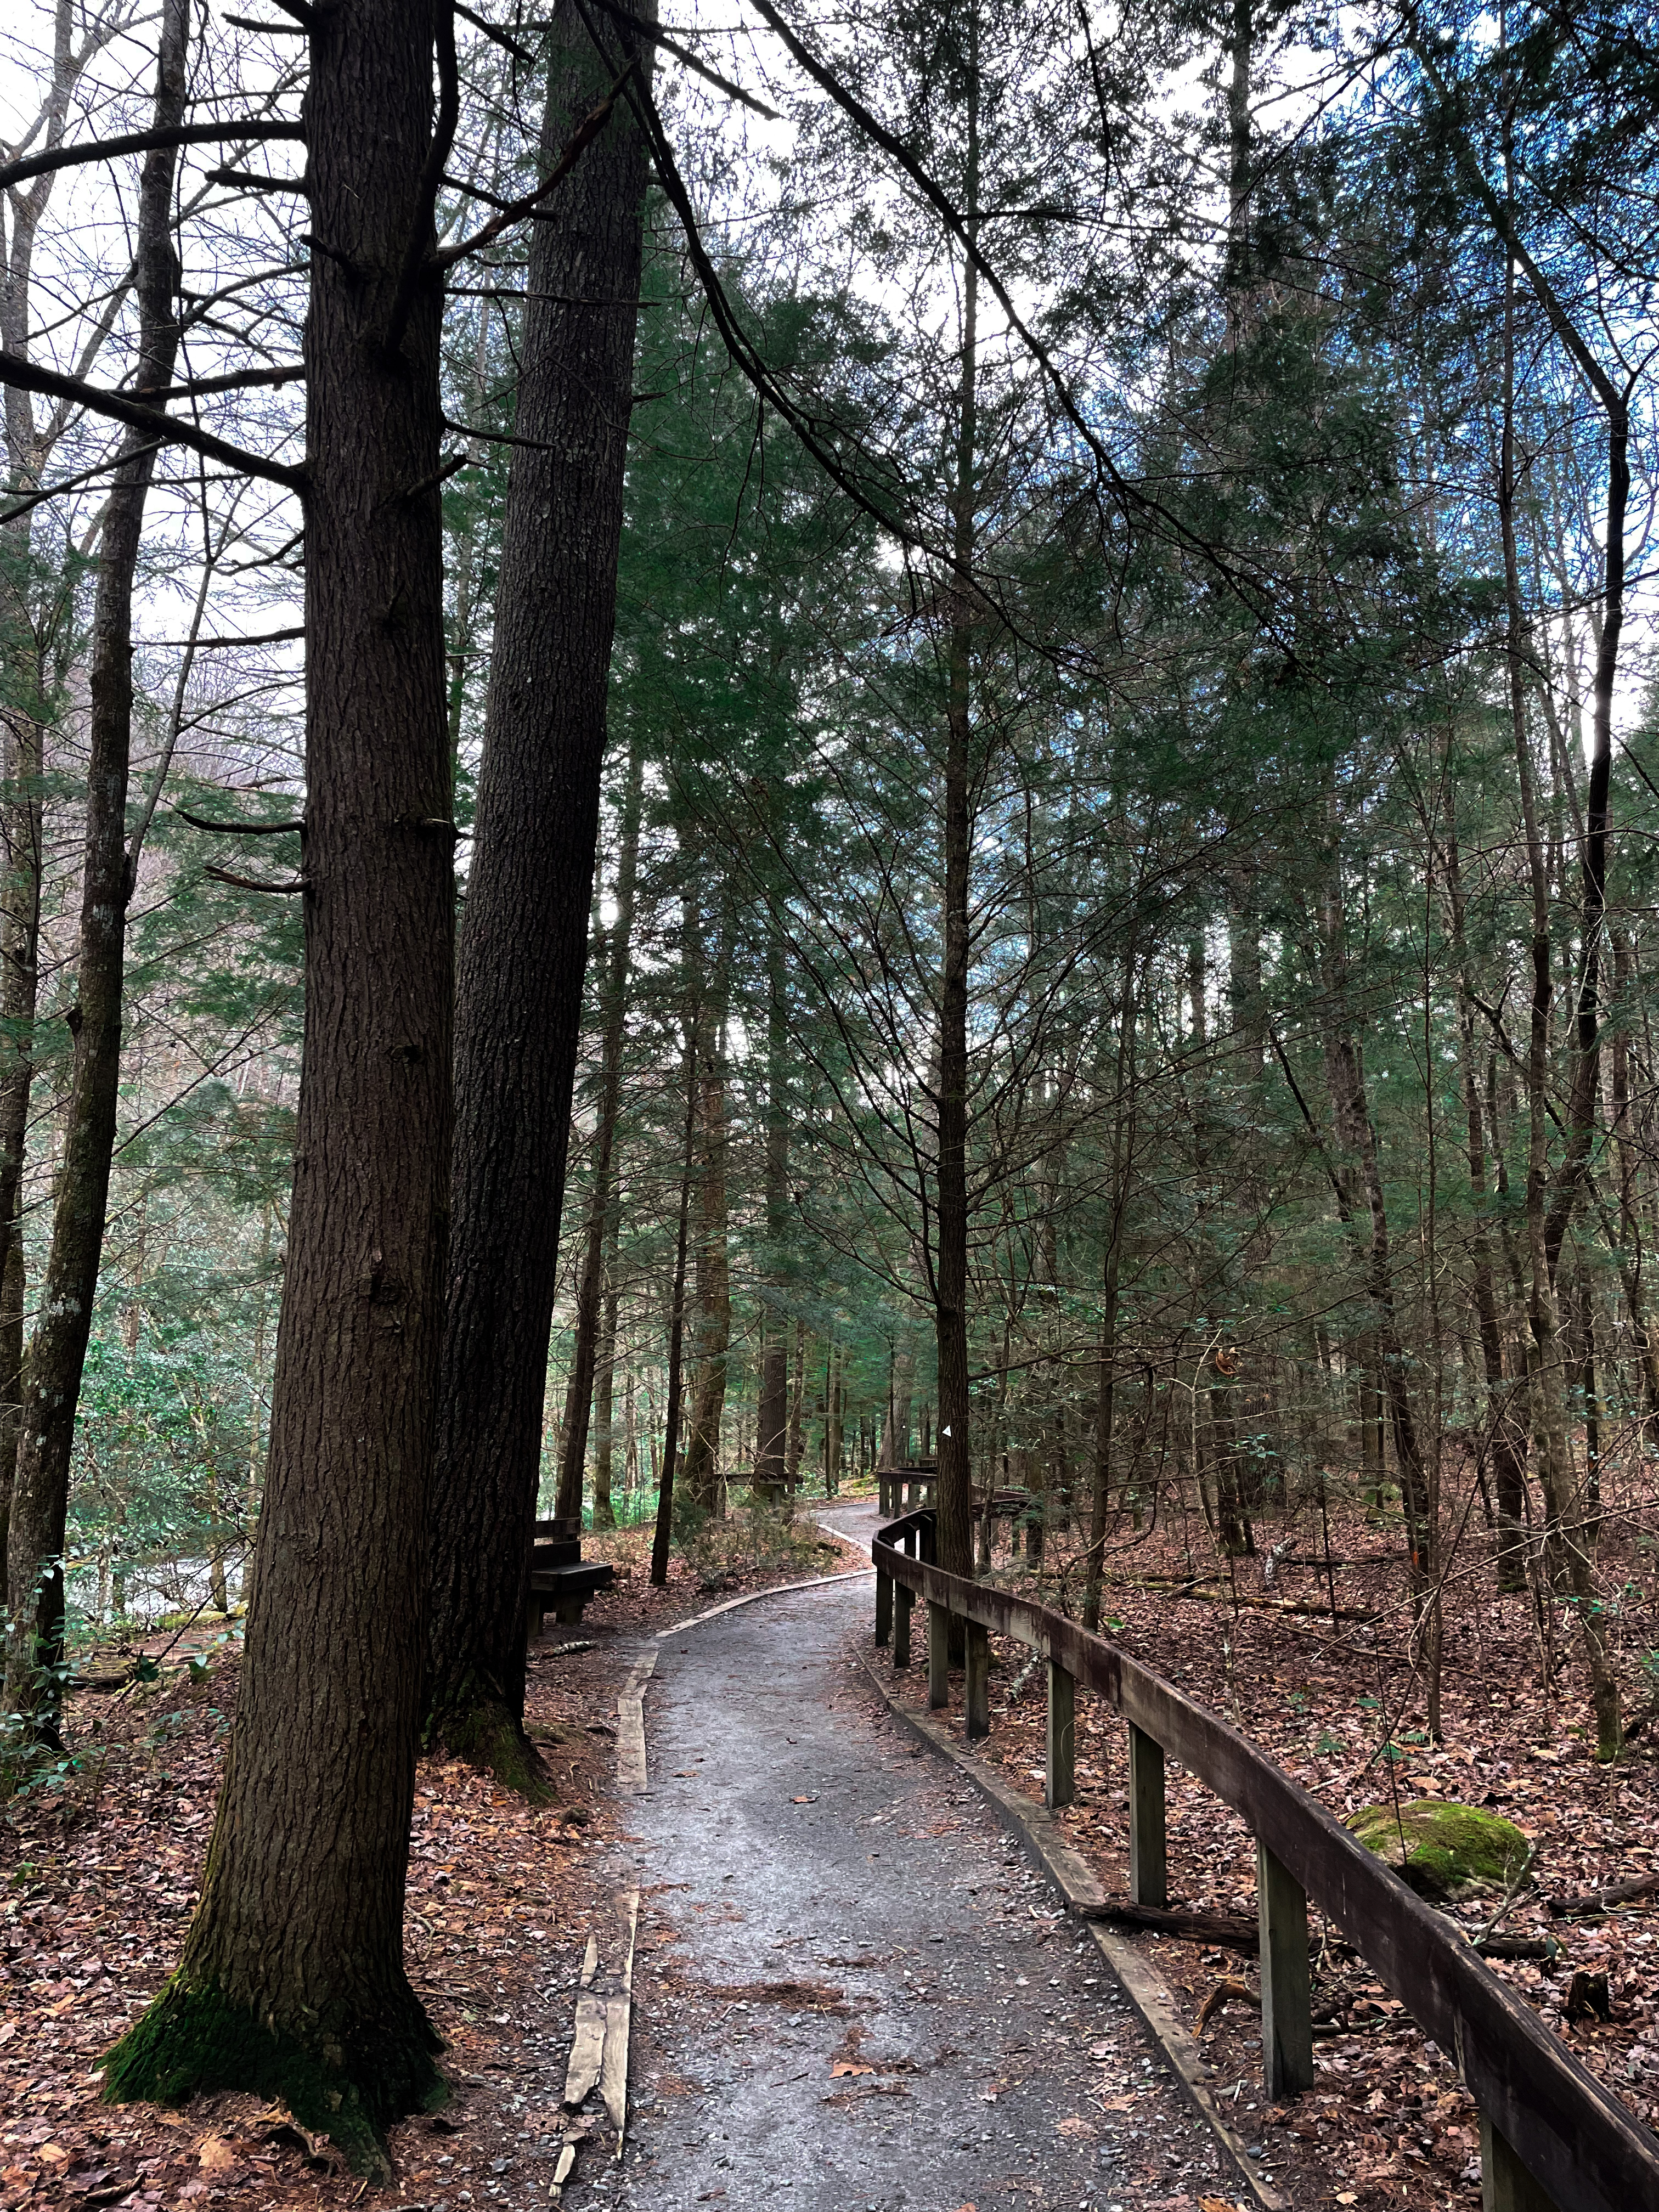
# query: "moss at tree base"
[[1442, 1848], [193, 2039], [487, 1734]]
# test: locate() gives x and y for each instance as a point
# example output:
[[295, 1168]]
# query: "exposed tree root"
[[484, 1730]]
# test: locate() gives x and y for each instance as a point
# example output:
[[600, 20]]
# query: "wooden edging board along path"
[[1553, 2137]]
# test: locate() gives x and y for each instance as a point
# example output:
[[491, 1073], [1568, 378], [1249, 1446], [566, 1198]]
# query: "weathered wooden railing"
[[898, 1487], [1553, 2138]]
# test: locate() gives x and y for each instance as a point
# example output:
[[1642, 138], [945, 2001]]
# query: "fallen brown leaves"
[[98, 1880]]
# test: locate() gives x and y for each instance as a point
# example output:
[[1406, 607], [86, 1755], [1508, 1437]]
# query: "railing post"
[[1149, 1873], [939, 1655], [1286, 2015], [883, 1607], [902, 1599], [1060, 1785], [1506, 2185], [977, 1680]]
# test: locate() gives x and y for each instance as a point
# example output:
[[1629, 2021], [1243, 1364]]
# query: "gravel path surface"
[[851, 1991]]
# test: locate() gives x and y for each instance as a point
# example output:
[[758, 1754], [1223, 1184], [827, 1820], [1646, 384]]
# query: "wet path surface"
[[851, 1991]]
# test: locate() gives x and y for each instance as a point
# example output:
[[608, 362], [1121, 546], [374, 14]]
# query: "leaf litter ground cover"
[[1387, 2124], [98, 1879]]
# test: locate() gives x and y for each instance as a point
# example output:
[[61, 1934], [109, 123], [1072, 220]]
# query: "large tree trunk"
[[20, 971], [1237, 273], [604, 1402], [703, 1485], [1359, 1182], [584, 1368], [797, 1412], [524, 944], [23, 710], [834, 1416], [58, 1351], [292, 1981], [1628, 1244], [954, 1486], [771, 1441], [663, 1532], [1507, 1447], [1122, 1168]]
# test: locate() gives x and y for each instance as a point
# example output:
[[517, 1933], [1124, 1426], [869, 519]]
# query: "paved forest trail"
[[851, 1991]]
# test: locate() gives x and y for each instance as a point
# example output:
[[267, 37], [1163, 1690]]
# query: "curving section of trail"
[[851, 1991]]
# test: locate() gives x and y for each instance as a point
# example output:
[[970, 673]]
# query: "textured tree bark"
[[20, 971], [1237, 272], [704, 1484], [797, 1412], [292, 1983], [834, 1424], [584, 1367], [954, 1486], [1507, 1447], [58, 1351], [664, 1530], [590, 1295], [23, 712], [1123, 1158], [771, 1441], [1630, 1248], [604, 1400], [523, 946]]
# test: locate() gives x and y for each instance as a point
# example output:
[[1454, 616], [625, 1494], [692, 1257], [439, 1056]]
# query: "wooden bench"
[[560, 1578], [566, 1589]]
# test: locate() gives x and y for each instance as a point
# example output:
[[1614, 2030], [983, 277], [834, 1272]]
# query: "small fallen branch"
[[1517, 1946], [1603, 1901]]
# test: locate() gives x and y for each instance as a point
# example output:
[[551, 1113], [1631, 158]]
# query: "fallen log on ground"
[[1603, 1901], [1230, 1931]]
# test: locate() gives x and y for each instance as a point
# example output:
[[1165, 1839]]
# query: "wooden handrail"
[[1579, 2143]]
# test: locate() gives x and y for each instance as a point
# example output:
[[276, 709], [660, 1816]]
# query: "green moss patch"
[[1444, 1850], [193, 2039]]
